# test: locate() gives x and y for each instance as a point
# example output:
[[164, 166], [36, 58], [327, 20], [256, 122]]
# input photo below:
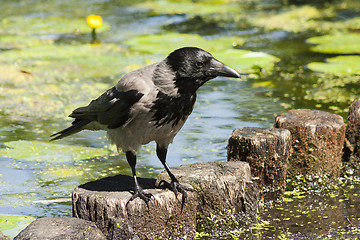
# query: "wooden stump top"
[[309, 118], [317, 141]]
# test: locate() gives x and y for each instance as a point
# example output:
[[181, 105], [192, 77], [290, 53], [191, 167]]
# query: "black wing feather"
[[111, 109]]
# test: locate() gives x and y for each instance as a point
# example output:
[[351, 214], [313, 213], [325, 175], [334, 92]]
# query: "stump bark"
[[353, 133], [104, 202], [267, 151], [227, 196], [317, 142]]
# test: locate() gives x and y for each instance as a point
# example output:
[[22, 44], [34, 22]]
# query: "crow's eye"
[[199, 64]]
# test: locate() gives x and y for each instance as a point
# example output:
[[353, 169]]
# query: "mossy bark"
[[317, 142], [267, 151]]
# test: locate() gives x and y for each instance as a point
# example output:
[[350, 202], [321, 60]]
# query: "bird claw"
[[176, 187], [139, 193]]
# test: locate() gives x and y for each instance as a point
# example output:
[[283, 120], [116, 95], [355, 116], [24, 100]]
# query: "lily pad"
[[168, 42], [247, 61], [49, 152], [336, 44], [11, 225], [221, 48], [47, 78], [70, 61], [338, 65]]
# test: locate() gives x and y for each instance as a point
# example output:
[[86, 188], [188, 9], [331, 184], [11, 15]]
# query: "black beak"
[[217, 68]]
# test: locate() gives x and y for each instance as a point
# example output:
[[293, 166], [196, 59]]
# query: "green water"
[[36, 101]]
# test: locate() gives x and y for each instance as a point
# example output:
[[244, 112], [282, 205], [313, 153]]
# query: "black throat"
[[189, 85], [169, 109]]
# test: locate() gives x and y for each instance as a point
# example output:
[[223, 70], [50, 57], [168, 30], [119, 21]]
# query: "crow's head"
[[194, 66]]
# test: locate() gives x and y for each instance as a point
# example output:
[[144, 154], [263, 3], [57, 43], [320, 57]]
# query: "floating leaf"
[[70, 61], [221, 48], [247, 61], [49, 152], [171, 41], [336, 44], [338, 65], [12, 224], [48, 77]]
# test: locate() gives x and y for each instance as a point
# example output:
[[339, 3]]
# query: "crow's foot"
[[139, 193], [176, 187]]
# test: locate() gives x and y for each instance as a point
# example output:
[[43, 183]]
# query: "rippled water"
[[222, 105]]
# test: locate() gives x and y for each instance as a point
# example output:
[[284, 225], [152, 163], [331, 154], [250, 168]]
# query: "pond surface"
[[40, 188]]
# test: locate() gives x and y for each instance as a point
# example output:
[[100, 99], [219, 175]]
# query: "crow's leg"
[[138, 191], [174, 186]]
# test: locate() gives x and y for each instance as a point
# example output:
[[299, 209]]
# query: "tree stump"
[[227, 197], [267, 151], [317, 142], [224, 196], [353, 132], [104, 202]]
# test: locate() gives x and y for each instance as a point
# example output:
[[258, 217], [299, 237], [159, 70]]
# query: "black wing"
[[111, 109]]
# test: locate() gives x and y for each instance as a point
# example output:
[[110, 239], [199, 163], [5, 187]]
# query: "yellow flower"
[[94, 21]]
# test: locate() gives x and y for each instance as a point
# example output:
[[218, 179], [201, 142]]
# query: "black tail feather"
[[74, 128]]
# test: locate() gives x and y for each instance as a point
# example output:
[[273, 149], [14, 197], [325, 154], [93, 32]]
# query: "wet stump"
[[104, 202], [317, 142], [224, 191], [227, 197], [353, 132], [267, 151]]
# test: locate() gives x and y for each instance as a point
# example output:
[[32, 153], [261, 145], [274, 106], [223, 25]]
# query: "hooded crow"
[[150, 104]]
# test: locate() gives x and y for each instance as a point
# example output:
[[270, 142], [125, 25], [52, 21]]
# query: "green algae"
[[20, 25], [221, 48], [189, 7], [49, 152], [292, 19], [43, 81], [49, 88], [300, 19], [338, 85], [69, 61]]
